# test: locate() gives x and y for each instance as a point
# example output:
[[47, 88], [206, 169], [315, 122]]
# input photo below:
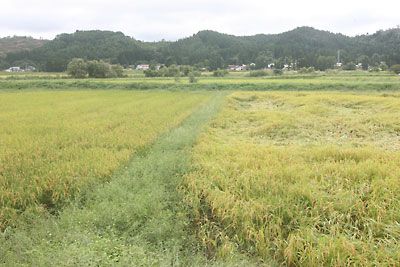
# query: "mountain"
[[19, 43], [55, 55], [304, 46]]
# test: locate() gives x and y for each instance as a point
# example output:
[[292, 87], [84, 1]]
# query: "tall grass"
[[310, 179]]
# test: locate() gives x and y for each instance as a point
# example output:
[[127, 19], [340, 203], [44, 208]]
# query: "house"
[[238, 67], [271, 66], [242, 67], [143, 67], [232, 67], [14, 69]]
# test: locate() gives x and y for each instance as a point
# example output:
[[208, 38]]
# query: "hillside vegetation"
[[17, 44], [303, 46]]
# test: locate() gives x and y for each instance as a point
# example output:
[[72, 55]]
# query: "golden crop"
[[308, 178], [55, 144]]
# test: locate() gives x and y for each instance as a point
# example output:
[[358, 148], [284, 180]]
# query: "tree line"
[[300, 48]]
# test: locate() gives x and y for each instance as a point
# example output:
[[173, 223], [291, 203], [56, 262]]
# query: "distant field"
[[344, 81], [307, 178], [55, 144]]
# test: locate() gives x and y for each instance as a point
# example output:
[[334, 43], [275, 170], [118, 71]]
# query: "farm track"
[[137, 219]]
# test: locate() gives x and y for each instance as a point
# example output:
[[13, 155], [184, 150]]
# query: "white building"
[[232, 67], [143, 67], [238, 67], [14, 69]]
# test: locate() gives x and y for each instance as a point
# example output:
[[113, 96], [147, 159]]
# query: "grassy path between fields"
[[137, 219]]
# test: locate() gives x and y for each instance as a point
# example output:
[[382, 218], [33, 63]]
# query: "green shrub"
[[306, 70], [395, 68], [171, 71], [99, 69], [118, 70], [349, 66], [152, 73], [77, 68], [278, 71], [374, 69], [258, 73], [383, 66], [192, 78], [220, 73]]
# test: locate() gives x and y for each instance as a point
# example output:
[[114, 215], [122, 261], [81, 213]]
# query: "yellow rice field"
[[55, 144], [307, 178]]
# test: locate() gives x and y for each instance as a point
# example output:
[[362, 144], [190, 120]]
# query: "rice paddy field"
[[337, 81], [55, 144], [291, 170], [310, 179]]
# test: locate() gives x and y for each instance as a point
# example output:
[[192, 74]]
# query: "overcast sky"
[[152, 20]]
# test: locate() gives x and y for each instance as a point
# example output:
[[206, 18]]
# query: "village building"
[[14, 69], [232, 67], [238, 67], [143, 67]]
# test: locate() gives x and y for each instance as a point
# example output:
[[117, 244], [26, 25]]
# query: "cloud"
[[154, 19]]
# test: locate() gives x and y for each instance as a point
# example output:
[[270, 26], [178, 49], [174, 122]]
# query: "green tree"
[[171, 71], [118, 70], [263, 59], [100, 69], [192, 77], [365, 61], [185, 69], [3, 64], [216, 61], [395, 68], [325, 62], [349, 66], [77, 68], [220, 73], [383, 66], [376, 59]]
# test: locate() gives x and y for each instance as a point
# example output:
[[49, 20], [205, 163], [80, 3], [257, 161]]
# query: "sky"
[[154, 20]]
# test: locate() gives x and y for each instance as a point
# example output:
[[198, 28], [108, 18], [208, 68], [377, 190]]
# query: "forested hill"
[[19, 43], [304, 46]]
